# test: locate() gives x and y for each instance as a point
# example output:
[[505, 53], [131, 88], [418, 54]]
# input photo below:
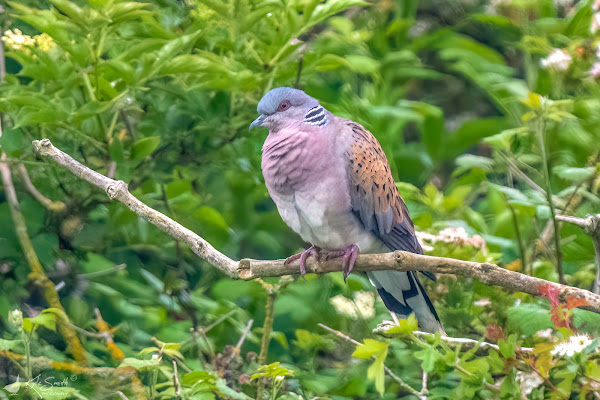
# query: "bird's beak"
[[258, 121]]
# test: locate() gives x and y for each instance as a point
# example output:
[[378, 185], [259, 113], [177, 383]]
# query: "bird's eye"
[[284, 105]]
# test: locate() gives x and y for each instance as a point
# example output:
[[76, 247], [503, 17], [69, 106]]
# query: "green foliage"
[[377, 350], [486, 133]]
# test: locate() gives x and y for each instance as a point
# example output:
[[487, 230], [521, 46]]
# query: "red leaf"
[[494, 333], [558, 317], [574, 302], [550, 292]]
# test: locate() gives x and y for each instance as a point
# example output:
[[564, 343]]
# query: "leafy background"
[[160, 94]]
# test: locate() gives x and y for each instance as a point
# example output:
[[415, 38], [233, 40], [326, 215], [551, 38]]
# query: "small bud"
[[15, 318]]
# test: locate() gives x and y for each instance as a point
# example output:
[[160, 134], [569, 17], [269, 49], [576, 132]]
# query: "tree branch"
[[248, 269], [591, 226]]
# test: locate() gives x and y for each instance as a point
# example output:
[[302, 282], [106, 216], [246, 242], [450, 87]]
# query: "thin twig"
[[424, 389], [218, 321], [238, 347], [300, 64], [537, 371], [208, 345], [339, 334], [95, 335], [244, 334], [122, 395], [112, 169], [519, 236], [545, 162], [54, 206], [382, 329], [127, 123], [176, 383], [248, 269], [182, 364], [104, 272], [588, 182], [266, 334]]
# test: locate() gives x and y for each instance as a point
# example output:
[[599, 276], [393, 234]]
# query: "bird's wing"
[[374, 196]]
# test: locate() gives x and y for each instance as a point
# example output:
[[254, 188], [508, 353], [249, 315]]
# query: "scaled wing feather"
[[374, 196]]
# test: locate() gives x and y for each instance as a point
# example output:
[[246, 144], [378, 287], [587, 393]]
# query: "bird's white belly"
[[324, 220]]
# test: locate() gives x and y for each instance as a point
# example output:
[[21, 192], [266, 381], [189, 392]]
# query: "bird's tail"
[[403, 294]]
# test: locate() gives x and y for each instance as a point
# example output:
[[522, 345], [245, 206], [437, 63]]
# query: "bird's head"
[[284, 106]]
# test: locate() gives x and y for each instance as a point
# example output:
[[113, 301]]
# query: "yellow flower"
[[44, 42]]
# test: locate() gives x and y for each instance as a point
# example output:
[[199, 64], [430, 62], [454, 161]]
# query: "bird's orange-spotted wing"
[[374, 196]]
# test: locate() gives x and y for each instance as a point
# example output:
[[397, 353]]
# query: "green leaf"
[[479, 371], [47, 318], [370, 348], [140, 365], [429, 356], [186, 63], [574, 174], [405, 326], [115, 149], [431, 125], [331, 7], [508, 346], [127, 11], [309, 341], [70, 9], [169, 50], [470, 133], [504, 139], [12, 345], [194, 377], [376, 372], [579, 25], [357, 63], [272, 371], [362, 64], [466, 162], [529, 317], [12, 142], [154, 282], [144, 147], [90, 109], [148, 350], [222, 387]]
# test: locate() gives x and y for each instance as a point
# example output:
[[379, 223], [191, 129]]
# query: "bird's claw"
[[303, 256], [350, 254], [349, 259]]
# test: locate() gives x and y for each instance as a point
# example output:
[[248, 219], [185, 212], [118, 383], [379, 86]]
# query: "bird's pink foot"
[[350, 254], [303, 256]]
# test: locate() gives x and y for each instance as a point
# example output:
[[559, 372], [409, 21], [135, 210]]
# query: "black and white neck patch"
[[316, 116]]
